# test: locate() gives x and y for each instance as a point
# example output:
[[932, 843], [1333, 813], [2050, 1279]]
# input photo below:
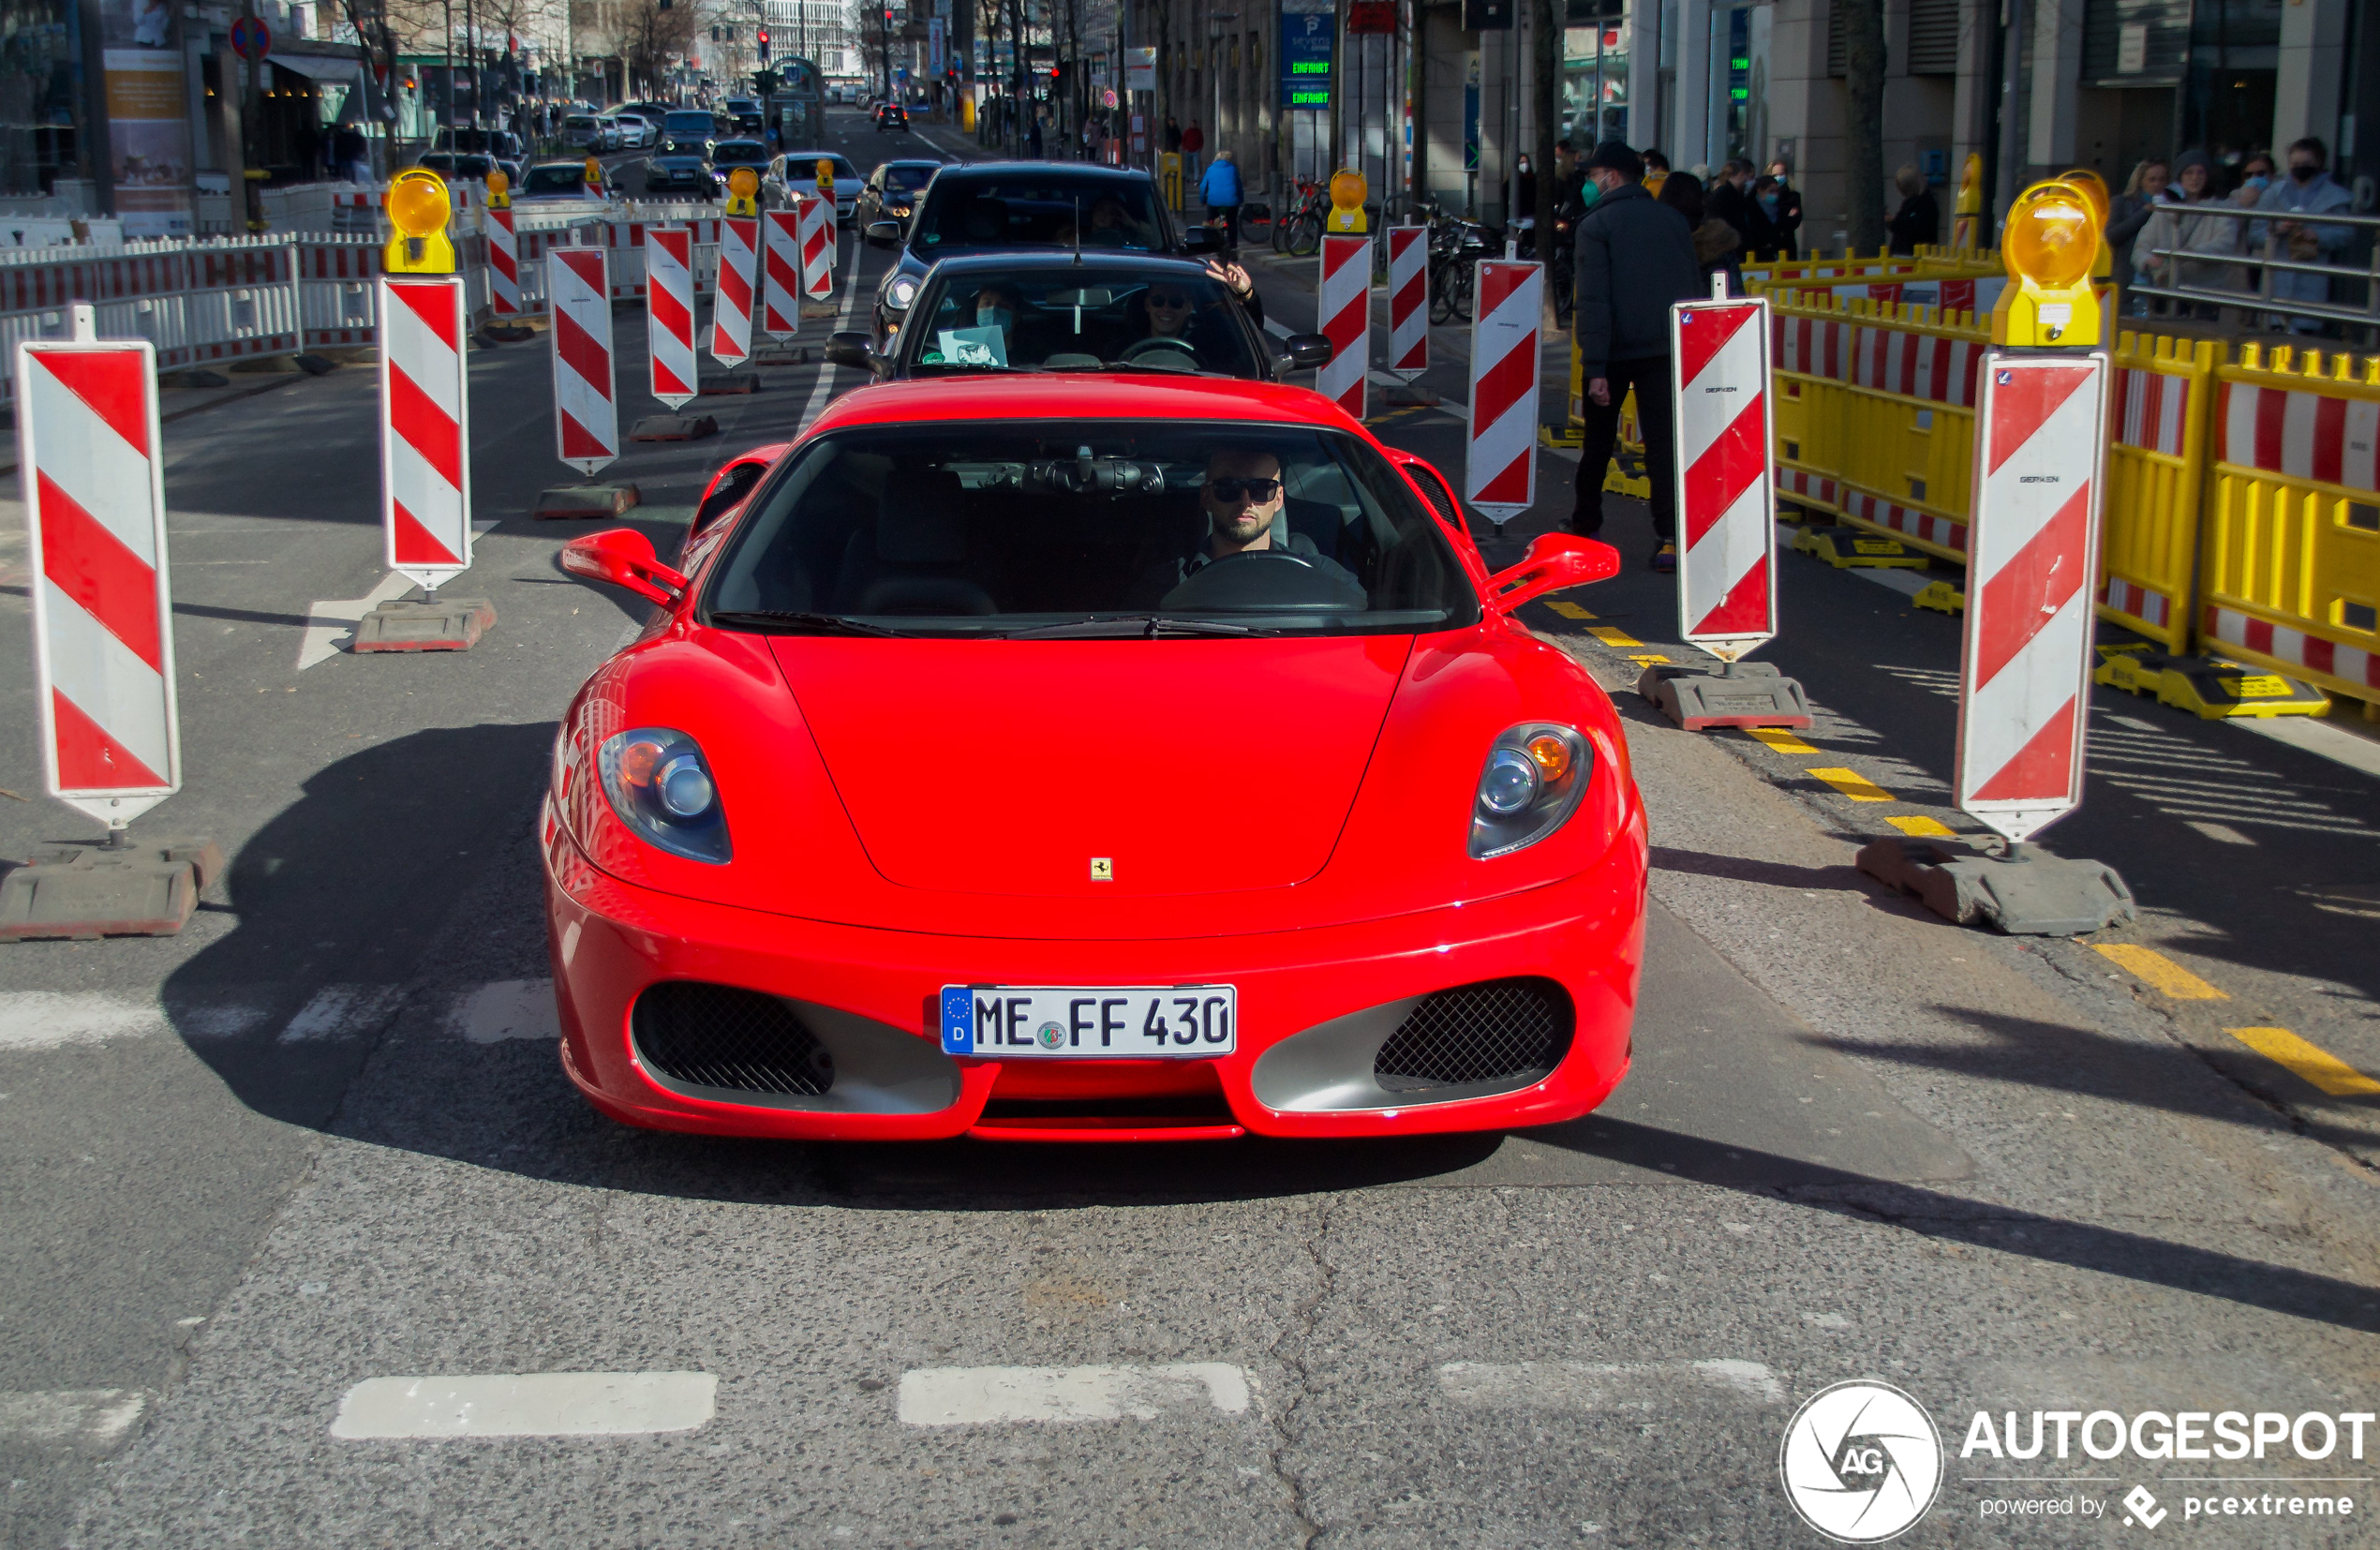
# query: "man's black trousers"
[[1650, 378]]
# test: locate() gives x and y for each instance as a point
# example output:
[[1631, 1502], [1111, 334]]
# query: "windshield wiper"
[[1150, 626], [801, 623]]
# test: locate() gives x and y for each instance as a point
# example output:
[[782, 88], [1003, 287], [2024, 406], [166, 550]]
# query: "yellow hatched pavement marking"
[[1568, 610], [1851, 783], [1918, 827], [2160, 973], [2310, 1061], [1782, 741], [1611, 636]]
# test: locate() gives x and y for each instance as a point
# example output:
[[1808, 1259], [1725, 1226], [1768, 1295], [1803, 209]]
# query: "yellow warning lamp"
[[2049, 244], [825, 171], [1348, 193], [418, 207], [594, 176], [500, 189], [2095, 187], [743, 192]]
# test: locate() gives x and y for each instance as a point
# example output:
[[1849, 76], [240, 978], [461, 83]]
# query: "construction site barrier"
[[2289, 560], [2156, 478]]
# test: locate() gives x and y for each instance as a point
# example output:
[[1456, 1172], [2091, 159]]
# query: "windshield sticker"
[[974, 346]]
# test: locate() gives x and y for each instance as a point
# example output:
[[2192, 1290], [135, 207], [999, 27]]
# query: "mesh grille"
[[715, 1036], [1495, 1030]]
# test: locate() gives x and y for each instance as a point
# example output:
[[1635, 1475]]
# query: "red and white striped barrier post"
[[781, 273], [817, 249], [586, 412], [2033, 557], [103, 608], [1727, 519], [669, 306], [731, 315], [89, 452], [1344, 304], [1408, 301], [1500, 474], [503, 265], [425, 485]]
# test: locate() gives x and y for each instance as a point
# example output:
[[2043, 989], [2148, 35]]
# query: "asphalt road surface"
[[277, 1184]]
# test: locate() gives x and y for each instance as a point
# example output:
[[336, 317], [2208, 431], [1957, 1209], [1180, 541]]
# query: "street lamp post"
[[1214, 72]]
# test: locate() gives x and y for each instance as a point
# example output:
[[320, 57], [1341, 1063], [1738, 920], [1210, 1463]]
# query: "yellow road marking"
[[1567, 609], [1784, 742], [1851, 783], [1646, 660], [2311, 1062], [1921, 828], [1611, 636], [2160, 973]]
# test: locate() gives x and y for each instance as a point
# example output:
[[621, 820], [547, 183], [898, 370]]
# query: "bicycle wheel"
[[1308, 239], [1461, 291], [1441, 290]]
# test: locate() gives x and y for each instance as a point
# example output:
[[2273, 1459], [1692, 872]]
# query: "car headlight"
[[661, 786], [901, 292], [1535, 774]]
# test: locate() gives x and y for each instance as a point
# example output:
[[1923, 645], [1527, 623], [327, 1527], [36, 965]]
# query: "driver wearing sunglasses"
[[1244, 501]]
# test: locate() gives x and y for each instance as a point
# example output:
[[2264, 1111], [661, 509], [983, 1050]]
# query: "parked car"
[[501, 144], [891, 191], [635, 131], [1024, 206], [796, 172], [586, 132]]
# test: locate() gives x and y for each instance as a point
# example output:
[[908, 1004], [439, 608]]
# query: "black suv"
[[1026, 208]]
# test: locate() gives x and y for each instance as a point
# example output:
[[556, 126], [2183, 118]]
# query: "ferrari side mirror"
[[624, 557], [1555, 560]]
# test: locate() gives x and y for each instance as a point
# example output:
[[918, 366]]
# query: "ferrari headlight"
[[1535, 774], [661, 786], [901, 292]]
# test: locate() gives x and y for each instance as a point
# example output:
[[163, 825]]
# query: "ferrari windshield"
[[1038, 209], [1089, 528], [1082, 318]]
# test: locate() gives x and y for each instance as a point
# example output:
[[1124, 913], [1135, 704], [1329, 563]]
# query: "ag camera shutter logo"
[[1861, 1462]]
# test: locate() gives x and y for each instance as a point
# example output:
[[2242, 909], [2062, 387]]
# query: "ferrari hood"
[[1091, 768]]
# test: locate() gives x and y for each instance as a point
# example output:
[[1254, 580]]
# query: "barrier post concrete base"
[[1745, 693], [729, 383], [412, 624], [586, 501], [674, 428], [81, 893], [2022, 890]]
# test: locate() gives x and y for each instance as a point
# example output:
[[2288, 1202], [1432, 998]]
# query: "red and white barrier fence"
[[669, 306], [731, 317], [817, 249], [781, 273], [503, 265], [1409, 301], [1344, 306], [1500, 462], [2034, 552], [102, 605], [425, 480], [586, 409], [1726, 502]]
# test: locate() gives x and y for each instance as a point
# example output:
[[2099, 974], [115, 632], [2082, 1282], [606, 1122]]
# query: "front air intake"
[[716, 1036], [1503, 1031]]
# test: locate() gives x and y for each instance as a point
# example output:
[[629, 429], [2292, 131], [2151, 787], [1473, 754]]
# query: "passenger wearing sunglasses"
[[1243, 499]]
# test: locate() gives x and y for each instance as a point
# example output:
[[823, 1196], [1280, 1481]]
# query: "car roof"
[[1083, 396], [1040, 261], [970, 171]]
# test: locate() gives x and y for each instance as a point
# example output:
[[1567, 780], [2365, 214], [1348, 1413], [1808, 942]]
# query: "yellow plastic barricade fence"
[[2156, 473], [2289, 568], [1875, 410], [1627, 455], [1774, 272]]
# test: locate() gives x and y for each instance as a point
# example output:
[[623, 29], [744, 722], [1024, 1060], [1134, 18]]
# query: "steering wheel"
[[1265, 580], [1157, 342]]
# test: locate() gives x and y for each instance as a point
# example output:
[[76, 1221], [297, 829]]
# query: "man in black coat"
[[1635, 257], [1731, 200]]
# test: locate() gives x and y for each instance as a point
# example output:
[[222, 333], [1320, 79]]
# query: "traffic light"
[[763, 45]]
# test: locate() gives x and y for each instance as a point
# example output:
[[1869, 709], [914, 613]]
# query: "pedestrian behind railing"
[[2265, 251]]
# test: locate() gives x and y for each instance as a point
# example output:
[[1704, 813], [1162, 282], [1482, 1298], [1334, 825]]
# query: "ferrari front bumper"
[[868, 988]]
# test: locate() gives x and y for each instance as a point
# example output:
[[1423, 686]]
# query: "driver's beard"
[[1217, 526]]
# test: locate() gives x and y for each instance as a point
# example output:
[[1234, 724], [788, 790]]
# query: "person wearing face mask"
[[2168, 245], [2308, 189], [1788, 217]]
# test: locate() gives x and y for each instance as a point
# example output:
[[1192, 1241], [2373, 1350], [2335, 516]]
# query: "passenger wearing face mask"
[[997, 305], [2308, 189]]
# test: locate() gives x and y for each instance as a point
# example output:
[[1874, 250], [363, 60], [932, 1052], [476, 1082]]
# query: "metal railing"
[[2274, 261]]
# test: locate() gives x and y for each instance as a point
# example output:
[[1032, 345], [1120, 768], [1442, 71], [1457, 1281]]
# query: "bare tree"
[[1863, 123]]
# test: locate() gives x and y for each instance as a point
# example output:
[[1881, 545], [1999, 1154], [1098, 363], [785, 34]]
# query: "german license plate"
[[1090, 1021]]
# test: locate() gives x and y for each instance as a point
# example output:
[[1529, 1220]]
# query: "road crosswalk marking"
[[1604, 1385], [976, 1397], [550, 1404], [2157, 971], [2309, 1061]]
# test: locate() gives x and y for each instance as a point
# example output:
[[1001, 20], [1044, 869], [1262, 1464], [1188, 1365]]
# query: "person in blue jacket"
[[1220, 190], [2308, 189]]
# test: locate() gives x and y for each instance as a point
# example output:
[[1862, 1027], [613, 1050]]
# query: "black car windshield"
[[1038, 210], [697, 125], [1089, 528], [560, 178], [1084, 317], [910, 175], [802, 166], [750, 153]]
